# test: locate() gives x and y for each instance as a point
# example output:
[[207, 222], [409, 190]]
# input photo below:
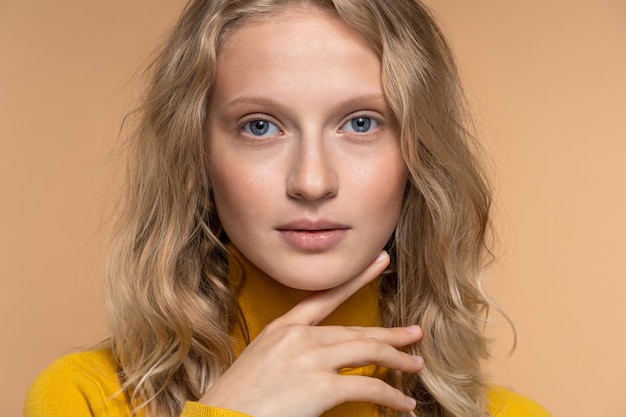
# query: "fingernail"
[[415, 329], [411, 402], [381, 256], [418, 359]]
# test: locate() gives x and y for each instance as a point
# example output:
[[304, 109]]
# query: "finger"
[[368, 389], [394, 336], [319, 305], [364, 352]]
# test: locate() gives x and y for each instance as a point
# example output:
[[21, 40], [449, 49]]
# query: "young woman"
[[303, 193]]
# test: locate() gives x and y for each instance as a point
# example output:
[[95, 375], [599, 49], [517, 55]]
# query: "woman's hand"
[[291, 368]]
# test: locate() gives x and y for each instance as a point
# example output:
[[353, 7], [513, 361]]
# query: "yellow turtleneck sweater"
[[86, 383]]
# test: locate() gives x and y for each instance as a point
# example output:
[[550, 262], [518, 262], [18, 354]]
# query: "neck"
[[262, 299]]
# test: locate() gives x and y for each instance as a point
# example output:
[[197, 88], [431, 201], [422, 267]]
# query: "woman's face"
[[306, 167]]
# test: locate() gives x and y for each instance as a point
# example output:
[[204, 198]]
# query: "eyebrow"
[[251, 100], [245, 99]]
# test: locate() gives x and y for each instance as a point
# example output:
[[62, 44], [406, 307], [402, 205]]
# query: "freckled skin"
[[327, 150]]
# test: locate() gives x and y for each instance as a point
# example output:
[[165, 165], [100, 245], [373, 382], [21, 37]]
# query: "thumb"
[[319, 305]]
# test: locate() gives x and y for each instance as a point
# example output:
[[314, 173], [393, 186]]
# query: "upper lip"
[[312, 224]]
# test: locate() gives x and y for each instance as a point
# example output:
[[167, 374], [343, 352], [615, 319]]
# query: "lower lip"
[[313, 239]]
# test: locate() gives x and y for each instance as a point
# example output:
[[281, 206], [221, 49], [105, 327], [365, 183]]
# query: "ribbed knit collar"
[[262, 299]]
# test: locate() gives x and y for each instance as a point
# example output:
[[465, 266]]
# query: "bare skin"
[[307, 79], [299, 362], [308, 179]]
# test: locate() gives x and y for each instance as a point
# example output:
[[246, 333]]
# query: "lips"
[[313, 235]]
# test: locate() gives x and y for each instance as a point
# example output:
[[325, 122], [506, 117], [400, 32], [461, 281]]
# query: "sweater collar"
[[262, 299]]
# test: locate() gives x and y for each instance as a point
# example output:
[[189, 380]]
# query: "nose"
[[313, 176]]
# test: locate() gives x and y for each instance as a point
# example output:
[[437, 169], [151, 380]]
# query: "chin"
[[315, 277], [308, 285]]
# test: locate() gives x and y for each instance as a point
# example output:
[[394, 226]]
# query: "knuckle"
[[294, 333], [379, 388], [386, 394], [375, 346], [277, 324], [359, 332], [287, 335]]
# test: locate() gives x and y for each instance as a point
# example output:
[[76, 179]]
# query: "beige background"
[[548, 80]]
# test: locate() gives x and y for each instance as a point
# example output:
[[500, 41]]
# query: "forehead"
[[292, 28], [297, 44]]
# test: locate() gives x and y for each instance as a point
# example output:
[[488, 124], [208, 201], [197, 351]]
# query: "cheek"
[[241, 191], [390, 210], [230, 191], [392, 189], [385, 187]]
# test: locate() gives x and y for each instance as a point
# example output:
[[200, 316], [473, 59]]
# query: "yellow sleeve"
[[86, 384], [194, 409], [77, 385], [505, 403]]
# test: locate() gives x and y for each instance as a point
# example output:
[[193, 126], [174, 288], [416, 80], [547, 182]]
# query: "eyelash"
[[366, 115], [257, 118], [262, 118]]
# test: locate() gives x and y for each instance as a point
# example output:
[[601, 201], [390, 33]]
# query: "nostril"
[[312, 180]]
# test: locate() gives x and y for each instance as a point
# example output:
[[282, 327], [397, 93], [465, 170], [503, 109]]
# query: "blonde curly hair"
[[171, 309]]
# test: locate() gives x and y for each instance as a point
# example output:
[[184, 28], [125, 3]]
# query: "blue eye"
[[361, 124], [260, 127]]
